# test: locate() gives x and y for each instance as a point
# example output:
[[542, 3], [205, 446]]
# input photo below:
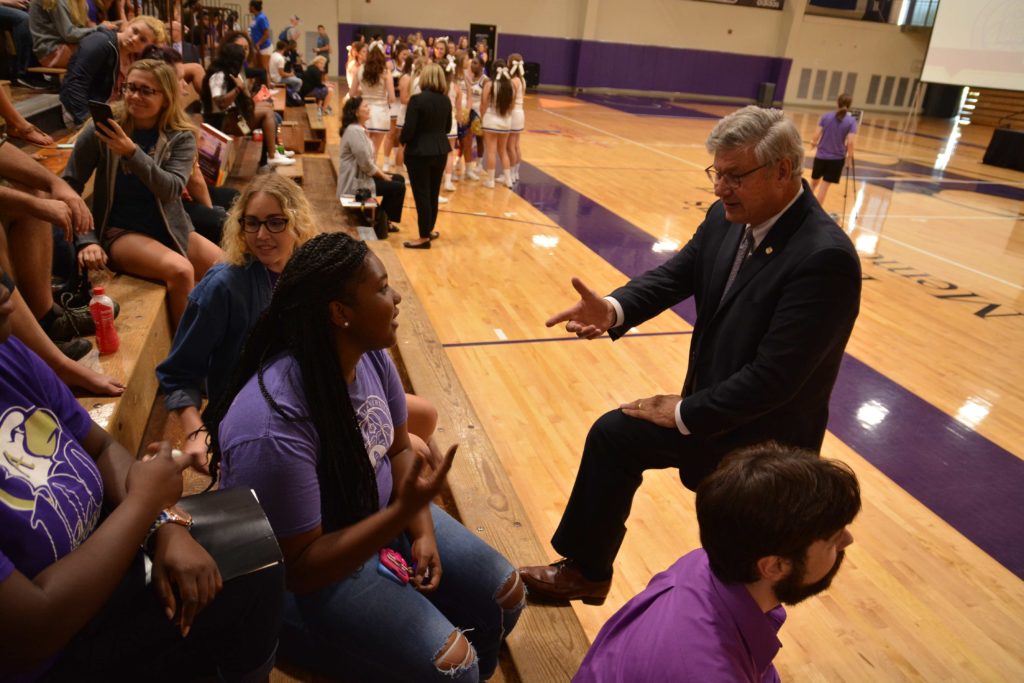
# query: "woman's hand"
[[92, 257], [178, 560], [420, 484], [427, 562], [113, 136], [239, 83]]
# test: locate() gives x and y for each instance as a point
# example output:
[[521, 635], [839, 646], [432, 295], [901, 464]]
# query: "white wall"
[[685, 24], [866, 48], [554, 18]]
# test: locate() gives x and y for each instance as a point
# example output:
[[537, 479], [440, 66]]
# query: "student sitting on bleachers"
[[270, 220], [98, 68], [228, 106], [58, 26], [75, 507], [280, 74], [206, 206], [358, 170], [314, 82], [315, 422], [27, 212], [142, 160]]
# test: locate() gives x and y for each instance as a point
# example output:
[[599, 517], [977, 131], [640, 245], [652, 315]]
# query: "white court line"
[[500, 334], [952, 262], [1012, 217], [633, 142], [939, 181]]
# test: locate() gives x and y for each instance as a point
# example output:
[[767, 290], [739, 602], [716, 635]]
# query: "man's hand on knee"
[[660, 409]]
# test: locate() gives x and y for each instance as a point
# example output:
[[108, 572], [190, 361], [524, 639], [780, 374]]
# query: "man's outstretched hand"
[[589, 318]]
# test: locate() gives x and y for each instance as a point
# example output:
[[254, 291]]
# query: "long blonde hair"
[[293, 203], [173, 116], [78, 10]]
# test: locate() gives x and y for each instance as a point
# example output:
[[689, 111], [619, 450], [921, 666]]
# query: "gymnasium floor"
[[927, 408]]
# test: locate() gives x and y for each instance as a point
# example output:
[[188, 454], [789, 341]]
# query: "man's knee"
[[455, 655]]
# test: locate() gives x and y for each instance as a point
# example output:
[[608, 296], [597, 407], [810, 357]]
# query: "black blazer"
[[428, 119], [762, 364]]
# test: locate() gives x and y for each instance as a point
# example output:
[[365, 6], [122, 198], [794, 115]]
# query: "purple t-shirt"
[[833, 135], [278, 459], [51, 492], [687, 627]]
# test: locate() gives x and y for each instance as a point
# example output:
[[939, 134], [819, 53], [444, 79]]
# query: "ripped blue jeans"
[[369, 628]]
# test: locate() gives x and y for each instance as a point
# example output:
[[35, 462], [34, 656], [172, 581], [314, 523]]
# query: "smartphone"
[[101, 112], [392, 565]]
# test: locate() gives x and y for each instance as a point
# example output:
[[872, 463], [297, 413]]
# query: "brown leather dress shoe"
[[562, 581]]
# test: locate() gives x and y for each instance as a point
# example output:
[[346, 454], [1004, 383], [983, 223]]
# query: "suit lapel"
[[723, 262]]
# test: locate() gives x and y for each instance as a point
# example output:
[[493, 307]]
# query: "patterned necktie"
[[744, 251]]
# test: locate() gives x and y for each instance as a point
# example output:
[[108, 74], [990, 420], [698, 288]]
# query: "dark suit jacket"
[[428, 118], [190, 53], [762, 364]]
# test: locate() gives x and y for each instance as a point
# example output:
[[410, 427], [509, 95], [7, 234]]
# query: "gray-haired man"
[[776, 285]]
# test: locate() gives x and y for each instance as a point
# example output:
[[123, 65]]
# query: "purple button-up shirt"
[[687, 627]]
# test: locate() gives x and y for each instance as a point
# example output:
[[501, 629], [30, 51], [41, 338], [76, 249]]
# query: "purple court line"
[[544, 340], [970, 482]]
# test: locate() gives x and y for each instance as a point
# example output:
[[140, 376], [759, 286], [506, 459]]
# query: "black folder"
[[232, 527]]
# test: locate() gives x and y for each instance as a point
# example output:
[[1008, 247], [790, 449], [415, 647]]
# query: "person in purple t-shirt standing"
[[837, 131], [773, 526], [316, 424]]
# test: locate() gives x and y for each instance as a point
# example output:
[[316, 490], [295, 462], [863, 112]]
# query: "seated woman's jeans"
[[367, 627]]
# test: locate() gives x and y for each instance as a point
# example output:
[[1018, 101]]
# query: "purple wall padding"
[[593, 64]]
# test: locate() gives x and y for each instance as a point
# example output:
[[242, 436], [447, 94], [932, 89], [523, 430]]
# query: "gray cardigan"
[[357, 168], [53, 28], [165, 174]]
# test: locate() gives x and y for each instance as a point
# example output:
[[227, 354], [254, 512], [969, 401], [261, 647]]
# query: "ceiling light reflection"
[[545, 241], [665, 246], [871, 414], [973, 411]]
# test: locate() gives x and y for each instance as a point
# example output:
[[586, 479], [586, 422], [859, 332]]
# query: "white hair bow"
[[450, 65], [446, 39], [503, 71], [517, 64], [377, 45]]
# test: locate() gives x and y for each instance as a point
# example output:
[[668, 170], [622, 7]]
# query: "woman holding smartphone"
[[316, 424], [142, 159]]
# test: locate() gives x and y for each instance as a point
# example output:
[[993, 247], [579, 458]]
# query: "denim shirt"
[[221, 310]]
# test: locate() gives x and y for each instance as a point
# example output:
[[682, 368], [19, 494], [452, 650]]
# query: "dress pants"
[[393, 194], [425, 175], [618, 450]]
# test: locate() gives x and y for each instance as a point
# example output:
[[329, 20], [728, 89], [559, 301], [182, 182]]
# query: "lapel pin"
[[768, 251]]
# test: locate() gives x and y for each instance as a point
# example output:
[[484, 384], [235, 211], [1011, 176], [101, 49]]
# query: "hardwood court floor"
[[932, 390]]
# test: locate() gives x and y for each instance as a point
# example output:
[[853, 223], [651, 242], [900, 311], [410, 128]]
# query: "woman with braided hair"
[[316, 424]]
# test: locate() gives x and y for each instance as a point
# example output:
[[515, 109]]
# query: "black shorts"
[[830, 169]]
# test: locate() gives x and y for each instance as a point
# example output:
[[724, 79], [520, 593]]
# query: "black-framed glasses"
[[143, 90], [731, 180], [274, 224]]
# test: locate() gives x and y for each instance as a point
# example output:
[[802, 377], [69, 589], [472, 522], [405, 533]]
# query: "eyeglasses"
[[139, 90], [730, 180], [274, 224]]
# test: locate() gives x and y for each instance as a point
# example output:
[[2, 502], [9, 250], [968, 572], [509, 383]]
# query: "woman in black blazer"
[[425, 136]]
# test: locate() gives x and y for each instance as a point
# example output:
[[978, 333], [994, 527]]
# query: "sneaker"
[[33, 82], [273, 91], [280, 160], [387, 167], [442, 200], [472, 175], [75, 349], [449, 186], [287, 152]]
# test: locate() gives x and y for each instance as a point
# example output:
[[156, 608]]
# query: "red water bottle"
[[101, 308]]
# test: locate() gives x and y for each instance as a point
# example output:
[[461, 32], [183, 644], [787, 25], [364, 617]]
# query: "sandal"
[[30, 134]]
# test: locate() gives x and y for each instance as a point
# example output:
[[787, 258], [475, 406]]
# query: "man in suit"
[[777, 289]]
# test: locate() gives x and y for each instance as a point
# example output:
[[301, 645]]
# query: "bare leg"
[[137, 254], [26, 328], [422, 418], [377, 139], [202, 254], [30, 249], [18, 127], [821, 191]]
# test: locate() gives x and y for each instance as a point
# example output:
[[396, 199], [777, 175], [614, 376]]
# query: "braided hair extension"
[[327, 268]]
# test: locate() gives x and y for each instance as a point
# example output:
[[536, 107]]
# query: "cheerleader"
[[375, 86], [400, 53], [518, 73], [408, 85], [476, 79], [451, 77], [356, 58], [496, 107], [470, 115], [439, 51]]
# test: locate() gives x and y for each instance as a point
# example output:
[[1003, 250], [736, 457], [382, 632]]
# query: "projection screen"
[[978, 43]]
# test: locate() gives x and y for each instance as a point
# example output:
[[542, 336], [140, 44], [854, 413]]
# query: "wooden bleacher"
[[317, 140]]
